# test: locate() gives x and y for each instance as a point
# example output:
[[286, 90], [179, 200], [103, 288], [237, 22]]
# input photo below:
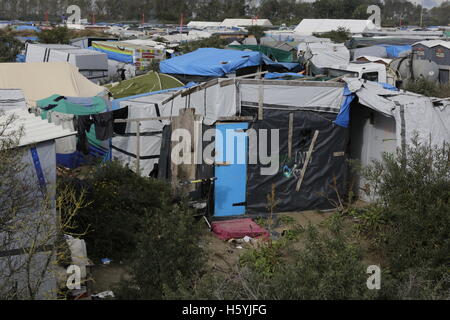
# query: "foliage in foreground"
[[119, 200], [340, 35], [412, 217]]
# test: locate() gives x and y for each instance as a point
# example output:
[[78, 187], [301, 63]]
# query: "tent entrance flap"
[[230, 169]]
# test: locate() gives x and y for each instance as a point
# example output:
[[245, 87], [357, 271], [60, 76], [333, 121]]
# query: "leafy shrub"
[[414, 201], [428, 88], [211, 42], [120, 201], [167, 253], [341, 34]]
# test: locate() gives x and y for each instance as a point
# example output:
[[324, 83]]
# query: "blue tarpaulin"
[[343, 118], [115, 55], [212, 62], [278, 75], [395, 51], [28, 28]]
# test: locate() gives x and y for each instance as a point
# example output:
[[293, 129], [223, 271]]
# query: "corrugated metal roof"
[[35, 130], [12, 99], [433, 43]]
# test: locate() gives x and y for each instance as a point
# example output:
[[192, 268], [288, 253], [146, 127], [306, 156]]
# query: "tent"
[[41, 80], [229, 23], [311, 26], [212, 62], [202, 24], [152, 81]]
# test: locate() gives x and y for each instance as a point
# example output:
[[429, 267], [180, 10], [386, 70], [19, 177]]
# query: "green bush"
[[414, 204], [211, 42], [120, 201], [167, 252], [428, 88]]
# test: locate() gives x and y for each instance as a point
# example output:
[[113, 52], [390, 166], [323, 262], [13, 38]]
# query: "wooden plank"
[[141, 119], [231, 81], [199, 87], [236, 118], [260, 100], [290, 133], [308, 157], [294, 83]]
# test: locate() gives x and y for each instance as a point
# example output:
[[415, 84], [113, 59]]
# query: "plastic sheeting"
[[328, 162], [428, 117], [324, 55], [212, 62]]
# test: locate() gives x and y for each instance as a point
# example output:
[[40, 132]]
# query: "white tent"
[[203, 24], [229, 23], [310, 26]]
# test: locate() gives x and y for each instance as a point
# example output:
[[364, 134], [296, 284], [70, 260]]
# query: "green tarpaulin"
[[277, 55], [152, 81], [75, 106]]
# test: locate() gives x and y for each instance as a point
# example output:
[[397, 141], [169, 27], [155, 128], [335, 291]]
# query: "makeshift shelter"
[[41, 80], [140, 56], [322, 55], [150, 82], [92, 118], [38, 145], [437, 51], [274, 54], [311, 26], [212, 62], [386, 119], [311, 121], [93, 65]]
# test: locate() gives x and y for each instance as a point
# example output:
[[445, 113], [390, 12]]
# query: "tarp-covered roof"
[[43, 79], [214, 62], [152, 81], [274, 53]]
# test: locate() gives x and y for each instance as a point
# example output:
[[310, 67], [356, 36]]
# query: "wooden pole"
[[290, 133], [260, 100], [308, 157]]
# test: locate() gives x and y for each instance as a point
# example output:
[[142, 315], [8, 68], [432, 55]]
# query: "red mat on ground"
[[238, 228]]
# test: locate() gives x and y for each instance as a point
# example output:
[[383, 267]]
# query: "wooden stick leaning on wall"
[[308, 157]]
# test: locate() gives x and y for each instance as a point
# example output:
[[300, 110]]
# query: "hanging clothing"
[[84, 124], [104, 125]]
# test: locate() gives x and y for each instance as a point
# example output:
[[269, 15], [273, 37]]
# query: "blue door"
[[230, 169]]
